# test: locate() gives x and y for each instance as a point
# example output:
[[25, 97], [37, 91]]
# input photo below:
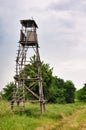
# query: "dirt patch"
[[83, 126]]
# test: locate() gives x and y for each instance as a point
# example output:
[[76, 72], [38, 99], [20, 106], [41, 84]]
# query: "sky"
[[61, 36]]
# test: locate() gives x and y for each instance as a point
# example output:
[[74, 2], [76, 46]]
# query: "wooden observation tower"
[[28, 41]]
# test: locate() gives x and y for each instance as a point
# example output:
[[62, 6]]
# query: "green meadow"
[[56, 117]]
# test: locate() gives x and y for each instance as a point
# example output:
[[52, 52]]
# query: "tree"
[[55, 89], [69, 92], [8, 91], [81, 94], [47, 78], [31, 71]]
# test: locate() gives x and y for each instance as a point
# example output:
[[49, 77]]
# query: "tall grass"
[[32, 119]]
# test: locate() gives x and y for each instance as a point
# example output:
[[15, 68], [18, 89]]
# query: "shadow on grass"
[[30, 112], [36, 113]]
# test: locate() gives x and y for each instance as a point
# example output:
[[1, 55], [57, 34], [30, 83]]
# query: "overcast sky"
[[61, 36]]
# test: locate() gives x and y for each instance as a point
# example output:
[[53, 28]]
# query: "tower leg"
[[42, 106], [12, 105]]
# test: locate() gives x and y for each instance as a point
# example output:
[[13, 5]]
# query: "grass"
[[55, 117]]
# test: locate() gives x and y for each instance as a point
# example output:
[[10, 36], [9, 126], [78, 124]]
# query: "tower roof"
[[28, 23]]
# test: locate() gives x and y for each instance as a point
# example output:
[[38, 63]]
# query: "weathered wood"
[[28, 40], [32, 92]]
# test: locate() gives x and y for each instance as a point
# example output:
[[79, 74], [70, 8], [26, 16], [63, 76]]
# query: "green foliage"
[[47, 79], [61, 92], [81, 94], [31, 71], [55, 89], [8, 91], [61, 96], [69, 91]]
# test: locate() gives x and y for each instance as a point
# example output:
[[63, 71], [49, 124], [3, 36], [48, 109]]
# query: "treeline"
[[56, 90]]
